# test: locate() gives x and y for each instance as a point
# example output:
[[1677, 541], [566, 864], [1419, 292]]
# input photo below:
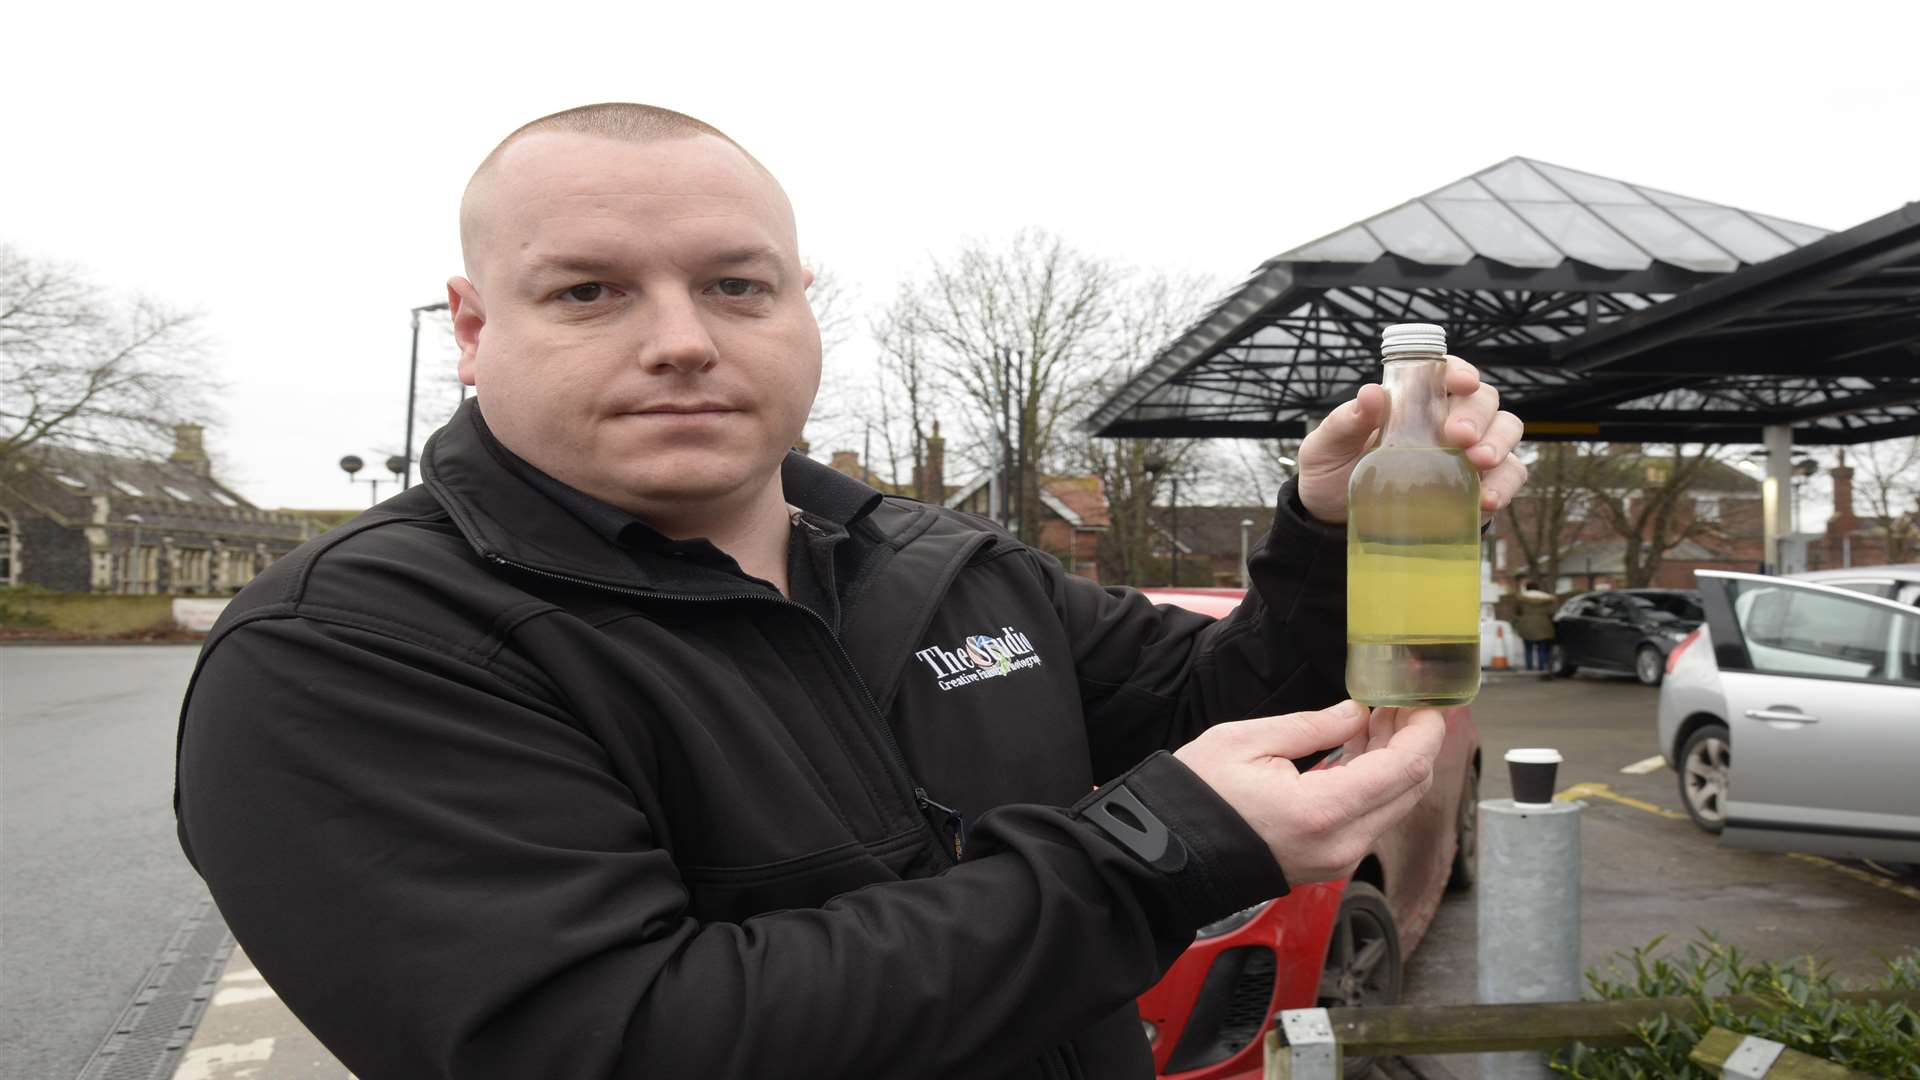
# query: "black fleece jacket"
[[484, 795]]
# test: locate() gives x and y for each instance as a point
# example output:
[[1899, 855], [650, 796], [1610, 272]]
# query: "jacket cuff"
[[1213, 862], [1291, 519]]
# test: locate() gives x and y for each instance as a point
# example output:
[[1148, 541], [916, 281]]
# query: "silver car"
[[1816, 679]]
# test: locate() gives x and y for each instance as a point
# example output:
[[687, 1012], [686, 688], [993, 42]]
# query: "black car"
[[1629, 630]]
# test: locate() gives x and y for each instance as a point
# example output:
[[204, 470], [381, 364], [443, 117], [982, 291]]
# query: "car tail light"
[[1674, 656]]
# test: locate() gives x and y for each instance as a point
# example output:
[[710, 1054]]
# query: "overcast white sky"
[[295, 176]]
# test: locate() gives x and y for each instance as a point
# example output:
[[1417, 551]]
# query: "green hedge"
[[1880, 1039]]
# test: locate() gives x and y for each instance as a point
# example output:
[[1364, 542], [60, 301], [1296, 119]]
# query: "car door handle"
[[1790, 715]]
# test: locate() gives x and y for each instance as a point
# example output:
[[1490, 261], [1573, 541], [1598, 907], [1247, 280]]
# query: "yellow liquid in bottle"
[[1413, 578]]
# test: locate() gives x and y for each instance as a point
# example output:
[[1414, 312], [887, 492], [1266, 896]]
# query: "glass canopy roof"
[[1527, 213], [1551, 280]]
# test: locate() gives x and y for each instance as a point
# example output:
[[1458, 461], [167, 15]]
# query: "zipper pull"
[[954, 821]]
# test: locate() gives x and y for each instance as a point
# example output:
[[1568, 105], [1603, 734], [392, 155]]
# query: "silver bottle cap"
[[1412, 337]]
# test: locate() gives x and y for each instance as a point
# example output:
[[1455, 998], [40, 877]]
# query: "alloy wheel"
[[1705, 770], [1649, 665]]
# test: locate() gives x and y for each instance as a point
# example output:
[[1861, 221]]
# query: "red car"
[[1328, 944]]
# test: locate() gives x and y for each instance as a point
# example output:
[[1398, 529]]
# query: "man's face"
[[637, 324]]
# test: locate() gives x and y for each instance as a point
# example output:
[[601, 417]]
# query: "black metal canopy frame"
[[1602, 311]]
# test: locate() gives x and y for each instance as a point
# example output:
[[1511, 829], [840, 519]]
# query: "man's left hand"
[[1475, 423]]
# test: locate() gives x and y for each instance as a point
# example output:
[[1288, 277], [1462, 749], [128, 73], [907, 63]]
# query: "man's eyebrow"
[[741, 256], [592, 265], [575, 264]]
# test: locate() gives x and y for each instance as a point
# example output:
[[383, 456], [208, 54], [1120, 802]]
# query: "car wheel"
[[1558, 663], [1466, 829], [1363, 958], [1649, 666], [1706, 763]]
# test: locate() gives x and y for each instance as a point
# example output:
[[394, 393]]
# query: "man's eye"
[[734, 286], [586, 294]]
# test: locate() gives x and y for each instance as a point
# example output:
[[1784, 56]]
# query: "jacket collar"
[[508, 520]]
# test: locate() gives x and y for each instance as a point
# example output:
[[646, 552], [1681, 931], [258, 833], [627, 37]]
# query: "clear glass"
[[1413, 553]]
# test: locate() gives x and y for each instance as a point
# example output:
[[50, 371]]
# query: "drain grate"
[[154, 1029]]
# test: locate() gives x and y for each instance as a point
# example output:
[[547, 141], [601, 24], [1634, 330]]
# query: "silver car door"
[[1823, 705]]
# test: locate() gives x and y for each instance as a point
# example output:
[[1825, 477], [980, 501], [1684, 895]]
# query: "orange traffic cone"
[[1500, 648]]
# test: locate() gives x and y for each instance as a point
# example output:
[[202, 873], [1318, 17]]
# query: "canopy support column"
[[1776, 495]]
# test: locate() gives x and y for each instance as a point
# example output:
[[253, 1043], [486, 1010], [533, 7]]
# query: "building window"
[[6, 550], [77, 485], [176, 493], [128, 489], [1576, 507], [1706, 509], [222, 498]]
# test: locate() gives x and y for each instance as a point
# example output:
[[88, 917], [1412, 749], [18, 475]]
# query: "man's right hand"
[[1320, 824]]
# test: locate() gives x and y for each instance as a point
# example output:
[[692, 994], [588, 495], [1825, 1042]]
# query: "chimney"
[[1842, 499], [848, 462], [189, 450], [930, 485]]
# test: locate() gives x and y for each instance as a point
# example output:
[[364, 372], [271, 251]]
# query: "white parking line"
[[1642, 768]]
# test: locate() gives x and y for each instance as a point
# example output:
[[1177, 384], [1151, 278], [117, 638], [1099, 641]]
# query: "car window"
[[1616, 608], [1801, 632], [1578, 607], [1907, 648], [1669, 607]]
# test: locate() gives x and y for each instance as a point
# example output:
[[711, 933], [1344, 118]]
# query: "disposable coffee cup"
[[1532, 771]]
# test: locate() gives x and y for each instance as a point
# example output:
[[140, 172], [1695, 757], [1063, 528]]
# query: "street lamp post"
[[352, 464], [1246, 575], [1173, 527], [133, 555], [413, 368]]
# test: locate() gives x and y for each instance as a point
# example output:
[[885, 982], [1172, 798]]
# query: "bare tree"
[[1645, 499], [1536, 522], [1888, 478], [81, 371], [1148, 311], [1023, 335]]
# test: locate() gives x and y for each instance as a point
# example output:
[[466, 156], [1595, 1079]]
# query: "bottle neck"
[[1417, 400]]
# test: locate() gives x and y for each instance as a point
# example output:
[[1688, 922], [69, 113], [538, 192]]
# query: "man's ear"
[[463, 303]]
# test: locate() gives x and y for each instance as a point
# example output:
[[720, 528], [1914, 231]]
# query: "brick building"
[[1725, 500], [1593, 555], [77, 521]]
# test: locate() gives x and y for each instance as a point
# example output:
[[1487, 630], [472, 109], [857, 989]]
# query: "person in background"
[[1534, 623]]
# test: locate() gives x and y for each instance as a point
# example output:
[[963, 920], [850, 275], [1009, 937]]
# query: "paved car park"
[[91, 903], [1646, 870]]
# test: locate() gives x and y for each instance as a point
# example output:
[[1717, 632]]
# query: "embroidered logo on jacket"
[[981, 656]]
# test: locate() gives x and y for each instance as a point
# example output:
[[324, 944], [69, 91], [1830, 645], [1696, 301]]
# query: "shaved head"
[[621, 121], [634, 318]]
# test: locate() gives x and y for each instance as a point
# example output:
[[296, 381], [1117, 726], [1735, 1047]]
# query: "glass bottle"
[[1413, 542]]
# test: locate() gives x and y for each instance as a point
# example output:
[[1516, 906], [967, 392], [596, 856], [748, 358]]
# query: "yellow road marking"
[[1603, 791], [1858, 874]]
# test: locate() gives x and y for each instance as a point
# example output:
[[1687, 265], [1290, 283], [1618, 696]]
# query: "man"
[[629, 744]]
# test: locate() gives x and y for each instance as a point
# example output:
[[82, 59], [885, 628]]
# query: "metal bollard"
[[1529, 900]]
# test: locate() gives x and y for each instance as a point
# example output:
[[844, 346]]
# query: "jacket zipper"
[[951, 819]]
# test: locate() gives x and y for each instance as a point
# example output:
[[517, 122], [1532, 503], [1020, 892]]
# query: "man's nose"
[[678, 338]]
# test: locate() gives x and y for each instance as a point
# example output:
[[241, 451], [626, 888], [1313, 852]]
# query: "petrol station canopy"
[[1602, 310]]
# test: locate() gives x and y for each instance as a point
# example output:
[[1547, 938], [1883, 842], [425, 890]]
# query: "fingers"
[[1343, 435], [1469, 417], [1298, 734], [1502, 435], [1383, 774], [1498, 487], [1462, 378]]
